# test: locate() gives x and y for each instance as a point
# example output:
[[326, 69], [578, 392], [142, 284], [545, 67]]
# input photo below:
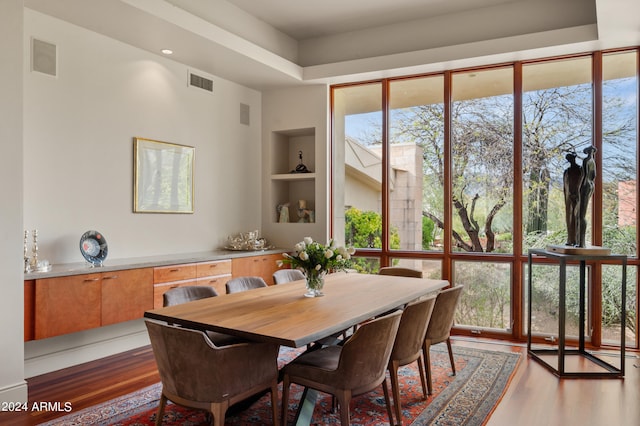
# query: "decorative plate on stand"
[[93, 247]]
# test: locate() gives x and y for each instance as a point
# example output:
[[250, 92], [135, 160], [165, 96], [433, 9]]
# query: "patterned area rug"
[[468, 398]]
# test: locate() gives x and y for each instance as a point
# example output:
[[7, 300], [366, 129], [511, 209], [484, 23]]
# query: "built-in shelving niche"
[[289, 187]]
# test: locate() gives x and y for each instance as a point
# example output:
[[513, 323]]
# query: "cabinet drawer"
[[207, 269], [218, 282], [167, 274]]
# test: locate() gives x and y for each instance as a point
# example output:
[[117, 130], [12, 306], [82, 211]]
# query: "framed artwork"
[[163, 177]]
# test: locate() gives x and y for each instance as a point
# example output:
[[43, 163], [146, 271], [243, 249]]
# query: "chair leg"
[[427, 366], [344, 401], [219, 411], [395, 390], [423, 378], [274, 402], [388, 402], [453, 365], [163, 403]]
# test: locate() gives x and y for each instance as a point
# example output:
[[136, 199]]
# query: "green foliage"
[[427, 232], [486, 296], [363, 229]]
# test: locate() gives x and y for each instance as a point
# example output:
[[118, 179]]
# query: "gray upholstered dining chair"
[[236, 285], [439, 329], [357, 367], [179, 295], [407, 347], [185, 294], [282, 276], [195, 373], [400, 271]]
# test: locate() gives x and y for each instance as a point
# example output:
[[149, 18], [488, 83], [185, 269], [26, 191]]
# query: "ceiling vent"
[[200, 82]]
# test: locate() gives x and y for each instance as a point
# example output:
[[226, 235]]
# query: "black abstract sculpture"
[[578, 188]]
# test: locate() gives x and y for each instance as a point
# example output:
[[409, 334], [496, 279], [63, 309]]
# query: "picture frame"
[[163, 177]]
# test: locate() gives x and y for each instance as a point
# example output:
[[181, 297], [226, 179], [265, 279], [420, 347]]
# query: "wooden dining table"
[[282, 314]]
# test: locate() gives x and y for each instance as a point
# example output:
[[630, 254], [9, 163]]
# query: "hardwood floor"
[[86, 385], [534, 397]]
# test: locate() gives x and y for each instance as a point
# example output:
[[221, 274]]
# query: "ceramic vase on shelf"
[[315, 283]]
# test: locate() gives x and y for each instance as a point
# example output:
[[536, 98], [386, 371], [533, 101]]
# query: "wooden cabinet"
[[257, 266], [214, 273], [63, 304], [67, 304], [79, 302], [126, 295]]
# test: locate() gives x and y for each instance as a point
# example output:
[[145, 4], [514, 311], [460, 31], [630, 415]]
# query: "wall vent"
[[245, 114], [198, 81], [44, 57]]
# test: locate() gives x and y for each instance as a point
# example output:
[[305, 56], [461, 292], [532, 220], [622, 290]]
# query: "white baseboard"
[[65, 351], [14, 393]]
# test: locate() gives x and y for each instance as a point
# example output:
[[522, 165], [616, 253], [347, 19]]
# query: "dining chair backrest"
[[365, 355], [439, 329], [236, 285], [408, 345], [189, 365], [357, 367], [412, 330], [282, 276], [179, 295], [400, 271], [443, 314]]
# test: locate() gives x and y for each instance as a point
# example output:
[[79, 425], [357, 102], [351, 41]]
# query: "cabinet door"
[[67, 304], [256, 266], [126, 294]]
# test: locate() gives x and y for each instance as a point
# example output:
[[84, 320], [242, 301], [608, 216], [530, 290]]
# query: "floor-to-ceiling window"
[[357, 169], [619, 187], [557, 125], [460, 173]]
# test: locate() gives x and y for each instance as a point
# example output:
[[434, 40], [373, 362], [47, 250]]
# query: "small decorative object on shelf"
[[300, 168], [247, 241], [32, 264], [305, 215], [283, 213], [93, 247], [316, 260]]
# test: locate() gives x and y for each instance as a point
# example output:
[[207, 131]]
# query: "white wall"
[[78, 150], [78, 166], [12, 384]]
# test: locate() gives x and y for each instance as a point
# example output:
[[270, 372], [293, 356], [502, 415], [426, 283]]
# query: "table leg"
[[306, 406]]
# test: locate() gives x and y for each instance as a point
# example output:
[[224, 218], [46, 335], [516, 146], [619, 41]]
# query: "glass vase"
[[315, 283]]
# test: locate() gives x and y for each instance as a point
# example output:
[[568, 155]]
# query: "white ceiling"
[[273, 43], [306, 19]]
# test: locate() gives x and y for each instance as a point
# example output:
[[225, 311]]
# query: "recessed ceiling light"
[[167, 51]]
